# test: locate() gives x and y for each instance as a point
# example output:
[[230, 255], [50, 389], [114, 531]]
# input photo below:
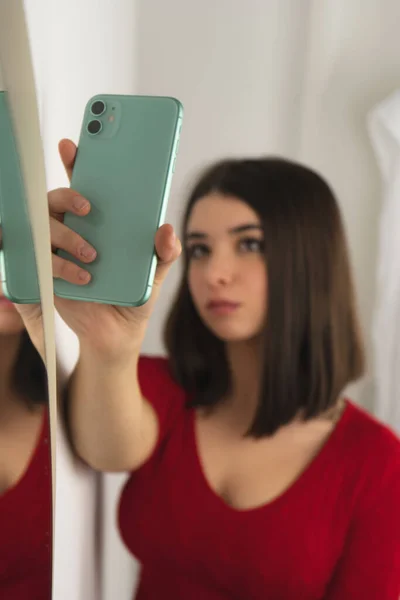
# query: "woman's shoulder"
[[154, 362], [369, 432], [155, 370], [376, 446], [157, 382]]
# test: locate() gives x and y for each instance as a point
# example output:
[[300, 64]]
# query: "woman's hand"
[[108, 330], [31, 315]]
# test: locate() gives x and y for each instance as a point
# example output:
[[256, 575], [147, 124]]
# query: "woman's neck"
[[245, 367]]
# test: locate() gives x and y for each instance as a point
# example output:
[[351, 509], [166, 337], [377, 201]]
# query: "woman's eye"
[[197, 251], [251, 245]]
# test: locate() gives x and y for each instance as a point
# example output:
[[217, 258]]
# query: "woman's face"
[[10, 320], [227, 272]]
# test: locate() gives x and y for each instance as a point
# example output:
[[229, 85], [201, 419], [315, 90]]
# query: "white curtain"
[[289, 77], [384, 127]]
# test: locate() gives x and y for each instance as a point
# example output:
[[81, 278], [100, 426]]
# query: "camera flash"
[[111, 118]]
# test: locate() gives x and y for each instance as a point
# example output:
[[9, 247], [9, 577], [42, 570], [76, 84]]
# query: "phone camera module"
[[98, 108], [94, 127]]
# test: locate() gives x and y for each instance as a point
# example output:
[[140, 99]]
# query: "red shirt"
[[25, 529], [333, 535]]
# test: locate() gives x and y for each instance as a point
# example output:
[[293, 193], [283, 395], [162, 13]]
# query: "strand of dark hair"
[[29, 377]]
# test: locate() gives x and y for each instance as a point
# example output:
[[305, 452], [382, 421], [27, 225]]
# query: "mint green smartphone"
[[17, 254], [124, 166]]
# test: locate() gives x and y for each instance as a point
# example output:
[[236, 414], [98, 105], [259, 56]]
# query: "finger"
[[67, 150], [168, 248], [68, 271], [64, 238], [64, 200]]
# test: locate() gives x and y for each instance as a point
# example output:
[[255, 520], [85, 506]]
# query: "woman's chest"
[[18, 445], [247, 473], [170, 515]]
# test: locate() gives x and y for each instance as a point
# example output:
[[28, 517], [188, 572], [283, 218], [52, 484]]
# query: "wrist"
[[114, 358]]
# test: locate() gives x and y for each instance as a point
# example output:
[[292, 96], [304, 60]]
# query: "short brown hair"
[[29, 375], [312, 344]]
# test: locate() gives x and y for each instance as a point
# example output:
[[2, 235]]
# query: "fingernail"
[[87, 252], [80, 203], [84, 276]]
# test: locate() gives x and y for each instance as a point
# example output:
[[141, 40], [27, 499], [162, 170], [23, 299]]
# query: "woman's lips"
[[222, 307]]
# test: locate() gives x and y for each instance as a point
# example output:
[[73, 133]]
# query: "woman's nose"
[[220, 270]]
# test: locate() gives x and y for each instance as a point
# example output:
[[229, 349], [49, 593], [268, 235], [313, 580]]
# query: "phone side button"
[[173, 165]]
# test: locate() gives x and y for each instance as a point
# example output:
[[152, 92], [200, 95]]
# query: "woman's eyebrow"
[[200, 235], [246, 227]]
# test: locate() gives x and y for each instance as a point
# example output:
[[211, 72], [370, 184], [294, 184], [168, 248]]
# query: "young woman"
[[25, 475], [251, 476]]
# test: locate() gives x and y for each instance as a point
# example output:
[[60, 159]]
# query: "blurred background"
[[313, 80]]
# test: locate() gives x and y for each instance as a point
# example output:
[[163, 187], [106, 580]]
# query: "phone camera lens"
[[94, 127], [98, 108]]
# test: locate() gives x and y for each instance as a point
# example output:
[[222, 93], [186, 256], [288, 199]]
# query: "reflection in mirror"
[[25, 474], [25, 466]]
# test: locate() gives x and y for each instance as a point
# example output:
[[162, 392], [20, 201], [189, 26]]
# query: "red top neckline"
[[302, 480], [29, 469]]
